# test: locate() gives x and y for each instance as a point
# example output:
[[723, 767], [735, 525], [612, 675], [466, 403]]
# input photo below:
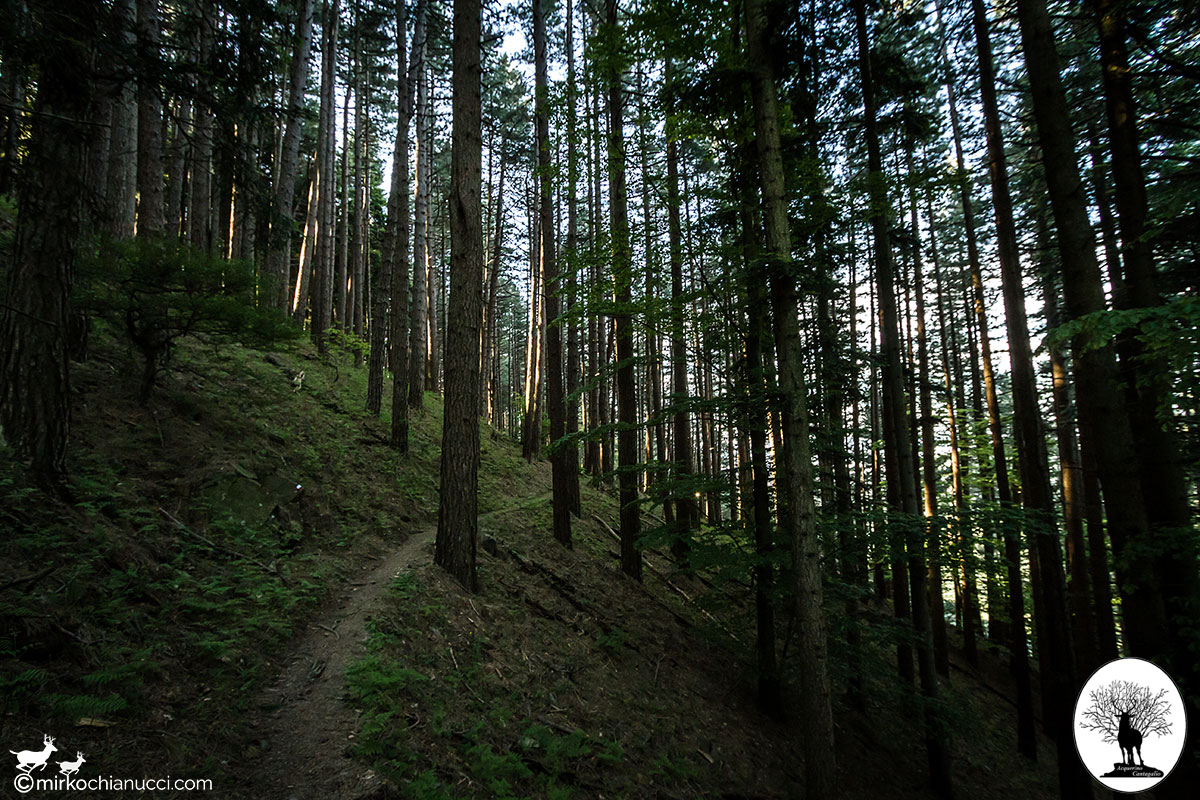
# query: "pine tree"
[[457, 519], [796, 469]]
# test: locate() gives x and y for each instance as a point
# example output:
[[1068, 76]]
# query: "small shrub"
[[162, 290]]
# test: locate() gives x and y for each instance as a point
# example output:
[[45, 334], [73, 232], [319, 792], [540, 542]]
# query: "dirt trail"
[[306, 727], [301, 723]]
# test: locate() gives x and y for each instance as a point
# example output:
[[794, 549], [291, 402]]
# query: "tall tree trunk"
[[605, 324], [121, 192], [550, 282], [1147, 377], [304, 264], [1015, 627], [362, 249], [178, 123], [1055, 653], [622, 271], [531, 430], [687, 515], [898, 444], [1108, 226], [770, 687], [1078, 581], [385, 306], [1100, 402], [434, 357], [948, 335], [933, 533], [592, 457], [1146, 386], [341, 268], [419, 342], [1097, 545], [655, 446], [150, 221], [321, 287], [227, 151], [1101, 405], [34, 319], [457, 519], [200, 202], [491, 328], [398, 229], [279, 249], [796, 472], [572, 266]]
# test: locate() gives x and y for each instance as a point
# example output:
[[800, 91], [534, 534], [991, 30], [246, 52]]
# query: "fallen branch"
[[271, 568], [549, 723], [539, 608], [30, 579], [673, 587], [666, 557], [557, 583]]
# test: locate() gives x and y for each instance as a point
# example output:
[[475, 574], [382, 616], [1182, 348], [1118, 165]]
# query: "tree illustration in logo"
[[1126, 713]]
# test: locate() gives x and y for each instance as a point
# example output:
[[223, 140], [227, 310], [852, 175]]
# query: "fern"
[[75, 706]]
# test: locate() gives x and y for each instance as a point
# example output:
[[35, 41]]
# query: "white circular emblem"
[[1130, 725]]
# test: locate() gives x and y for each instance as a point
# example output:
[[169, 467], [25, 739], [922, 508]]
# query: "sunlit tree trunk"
[[279, 248], [321, 285], [952, 382], [1079, 577], [341, 270], [491, 328], [933, 534]]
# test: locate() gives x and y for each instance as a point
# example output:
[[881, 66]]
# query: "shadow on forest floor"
[[157, 624]]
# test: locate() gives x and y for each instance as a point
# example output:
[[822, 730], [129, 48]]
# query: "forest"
[[440, 398]]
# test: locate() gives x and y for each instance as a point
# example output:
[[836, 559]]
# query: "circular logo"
[[23, 783], [1130, 725]]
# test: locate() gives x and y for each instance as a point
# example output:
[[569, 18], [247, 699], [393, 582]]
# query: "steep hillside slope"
[[138, 623], [236, 594]]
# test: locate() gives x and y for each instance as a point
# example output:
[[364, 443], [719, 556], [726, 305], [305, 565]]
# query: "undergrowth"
[[499, 752], [203, 527]]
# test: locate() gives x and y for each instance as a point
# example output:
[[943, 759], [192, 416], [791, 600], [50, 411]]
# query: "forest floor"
[[243, 591], [303, 723]]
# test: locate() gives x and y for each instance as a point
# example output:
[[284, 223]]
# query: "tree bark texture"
[[796, 471], [458, 522], [550, 287], [35, 317]]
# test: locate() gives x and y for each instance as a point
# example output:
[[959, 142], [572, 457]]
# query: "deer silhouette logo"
[[71, 767], [1129, 739], [29, 760], [1127, 706]]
